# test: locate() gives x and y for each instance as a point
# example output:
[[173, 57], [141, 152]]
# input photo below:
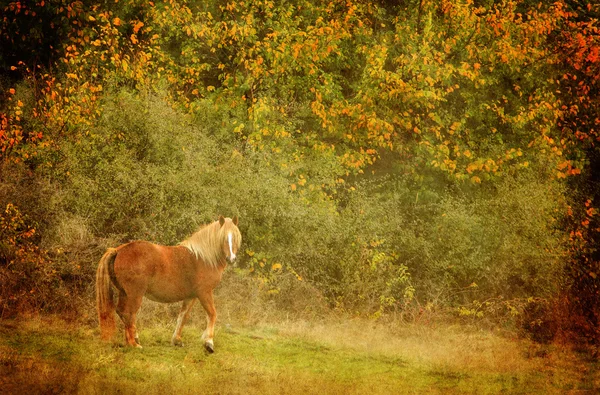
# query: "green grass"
[[45, 355]]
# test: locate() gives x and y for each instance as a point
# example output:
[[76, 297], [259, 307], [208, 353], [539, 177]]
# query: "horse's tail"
[[104, 294]]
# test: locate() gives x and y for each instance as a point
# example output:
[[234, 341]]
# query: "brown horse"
[[167, 274]]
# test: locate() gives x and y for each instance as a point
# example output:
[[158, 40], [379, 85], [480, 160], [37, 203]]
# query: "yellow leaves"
[[557, 151], [484, 166], [286, 57], [448, 165], [430, 81], [454, 127], [238, 129], [452, 88], [276, 266]]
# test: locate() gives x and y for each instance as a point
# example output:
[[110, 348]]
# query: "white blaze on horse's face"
[[231, 253]]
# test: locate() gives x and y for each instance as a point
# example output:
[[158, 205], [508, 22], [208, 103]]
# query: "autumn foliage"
[[401, 157]]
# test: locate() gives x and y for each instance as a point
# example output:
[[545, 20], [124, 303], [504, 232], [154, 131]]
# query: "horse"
[[187, 272]]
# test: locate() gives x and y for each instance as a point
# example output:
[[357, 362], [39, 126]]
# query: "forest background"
[[406, 159]]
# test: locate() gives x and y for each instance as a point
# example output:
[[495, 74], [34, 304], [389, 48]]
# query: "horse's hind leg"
[[186, 307], [127, 309]]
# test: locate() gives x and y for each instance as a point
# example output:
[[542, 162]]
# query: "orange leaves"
[[584, 231], [14, 227], [566, 168], [25, 260], [137, 26], [593, 55], [580, 60], [591, 211], [377, 86]]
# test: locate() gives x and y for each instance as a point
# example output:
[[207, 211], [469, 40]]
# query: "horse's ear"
[[235, 220], [221, 220]]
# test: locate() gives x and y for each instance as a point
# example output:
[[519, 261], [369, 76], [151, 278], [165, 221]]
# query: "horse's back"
[[162, 273], [135, 264], [135, 254]]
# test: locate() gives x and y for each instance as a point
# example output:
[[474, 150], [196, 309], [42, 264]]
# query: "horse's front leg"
[[184, 313], [208, 303]]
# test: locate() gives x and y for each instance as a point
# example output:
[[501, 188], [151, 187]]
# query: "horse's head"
[[230, 236]]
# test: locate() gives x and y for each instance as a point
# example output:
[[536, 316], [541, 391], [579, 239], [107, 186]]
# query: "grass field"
[[332, 356]]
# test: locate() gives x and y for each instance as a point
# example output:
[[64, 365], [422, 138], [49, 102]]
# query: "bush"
[[451, 247], [373, 245], [29, 281]]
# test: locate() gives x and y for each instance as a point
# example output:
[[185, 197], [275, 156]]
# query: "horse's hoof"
[[177, 342], [209, 347]]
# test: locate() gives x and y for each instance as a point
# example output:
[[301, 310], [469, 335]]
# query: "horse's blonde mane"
[[207, 243]]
